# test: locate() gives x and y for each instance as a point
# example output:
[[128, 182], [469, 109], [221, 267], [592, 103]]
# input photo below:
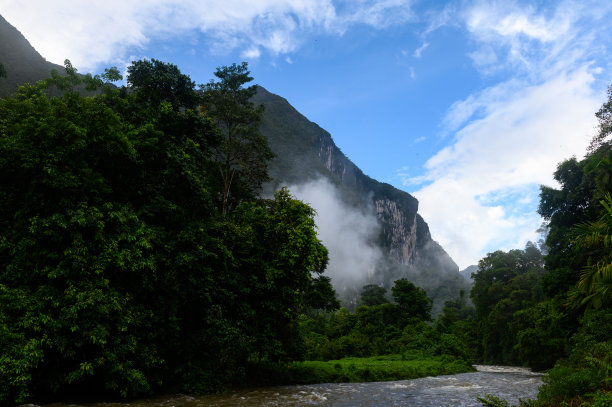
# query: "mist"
[[351, 235], [348, 233]]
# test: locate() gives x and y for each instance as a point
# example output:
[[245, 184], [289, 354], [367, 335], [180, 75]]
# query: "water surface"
[[460, 390]]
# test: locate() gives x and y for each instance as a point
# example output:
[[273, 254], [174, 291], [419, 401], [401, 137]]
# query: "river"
[[460, 390]]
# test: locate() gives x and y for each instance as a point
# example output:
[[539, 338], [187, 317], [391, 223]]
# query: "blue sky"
[[468, 105]]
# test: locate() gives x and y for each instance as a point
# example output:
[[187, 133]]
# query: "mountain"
[[306, 152], [467, 272], [398, 237], [21, 61]]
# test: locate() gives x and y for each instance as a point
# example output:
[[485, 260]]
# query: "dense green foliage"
[[118, 273], [382, 328], [243, 151]]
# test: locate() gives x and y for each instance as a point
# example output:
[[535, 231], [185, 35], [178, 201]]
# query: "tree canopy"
[[243, 151], [119, 274]]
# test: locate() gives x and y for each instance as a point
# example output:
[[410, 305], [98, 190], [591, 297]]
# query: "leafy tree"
[[321, 295], [373, 294], [505, 283], [155, 82], [2, 71], [595, 238], [73, 255], [562, 209], [244, 151], [604, 116], [454, 312], [411, 300], [118, 275], [279, 253]]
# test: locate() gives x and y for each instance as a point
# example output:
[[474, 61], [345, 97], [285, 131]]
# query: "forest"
[[137, 257]]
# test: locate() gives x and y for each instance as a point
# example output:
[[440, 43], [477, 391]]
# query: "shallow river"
[[510, 383]]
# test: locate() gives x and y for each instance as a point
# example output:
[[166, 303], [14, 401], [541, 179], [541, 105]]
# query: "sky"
[[467, 105]]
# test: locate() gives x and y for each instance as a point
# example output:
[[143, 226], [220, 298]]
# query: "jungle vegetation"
[[137, 256]]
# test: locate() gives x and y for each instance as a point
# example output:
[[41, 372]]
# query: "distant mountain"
[[467, 272], [21, 61], [306, 152]]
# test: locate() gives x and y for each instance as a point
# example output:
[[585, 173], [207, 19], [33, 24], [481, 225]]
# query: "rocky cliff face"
[[401, 232], [397, 215], [305, 151]]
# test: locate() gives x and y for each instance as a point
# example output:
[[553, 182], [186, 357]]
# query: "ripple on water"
[[459, 390]]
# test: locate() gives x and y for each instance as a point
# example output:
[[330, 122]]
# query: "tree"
[[604, 116], [118, 275], [155, 82], [411, 299], [561, 209], [595, 238], [2, 71], [373, 294], [280, 254], [244, 151], [74, 255], [321, 295]]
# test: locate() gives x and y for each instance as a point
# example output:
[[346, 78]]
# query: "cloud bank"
[[348, 234], [101, 32], [480, 192]]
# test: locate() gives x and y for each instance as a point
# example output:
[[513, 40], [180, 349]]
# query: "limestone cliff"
[[306, 151]]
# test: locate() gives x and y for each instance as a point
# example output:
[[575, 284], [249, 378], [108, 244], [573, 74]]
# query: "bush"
[[453, 346], [585, 372]]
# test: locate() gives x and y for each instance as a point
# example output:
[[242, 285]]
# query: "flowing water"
[[460, 390]]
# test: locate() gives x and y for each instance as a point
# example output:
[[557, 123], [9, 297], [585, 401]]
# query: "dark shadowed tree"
[[321, 295], [244, 152], [373, 294], [411, 299]]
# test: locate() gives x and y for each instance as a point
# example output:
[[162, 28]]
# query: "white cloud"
[[348, 233], [541, 43], [517, 143], [412, 73], [376, 13], [479, 193], [251, 53], [419, 51], [104, 32]]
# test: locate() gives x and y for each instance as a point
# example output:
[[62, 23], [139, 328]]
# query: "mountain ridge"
[[22, 62], [306, 152], [397, 209]]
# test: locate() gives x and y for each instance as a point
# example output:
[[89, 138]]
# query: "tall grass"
[[371, 369]]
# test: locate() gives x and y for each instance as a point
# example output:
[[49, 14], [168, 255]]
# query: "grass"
[[372, 369]]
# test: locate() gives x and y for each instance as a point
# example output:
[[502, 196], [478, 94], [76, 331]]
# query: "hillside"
[[21, 61], [306, 152]]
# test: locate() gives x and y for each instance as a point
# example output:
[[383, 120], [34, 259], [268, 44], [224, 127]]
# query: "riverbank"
[[353, 370]]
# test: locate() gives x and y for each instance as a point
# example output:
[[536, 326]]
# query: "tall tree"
[[373, 294], [411, 299], [117, 273], [244, 151]]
